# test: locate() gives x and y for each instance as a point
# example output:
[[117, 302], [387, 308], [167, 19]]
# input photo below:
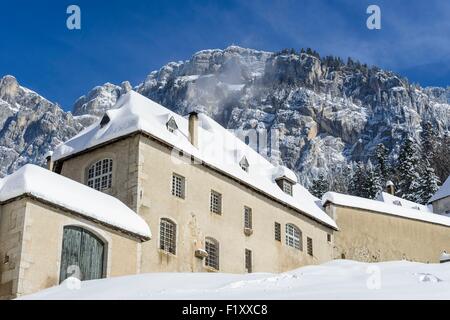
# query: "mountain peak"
[[8, 87]]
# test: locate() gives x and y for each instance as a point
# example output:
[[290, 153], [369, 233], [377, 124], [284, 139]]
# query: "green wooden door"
[[82, 254]]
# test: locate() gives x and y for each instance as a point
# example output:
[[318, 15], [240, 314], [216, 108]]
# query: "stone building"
[[52, 227], [390, 228], [211, 201], [441, 199]]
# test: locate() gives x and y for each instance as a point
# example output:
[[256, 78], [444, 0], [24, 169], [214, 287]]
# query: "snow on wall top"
[[217, 147], [378, 206], [444, 191], [59, 190], [389, 198]]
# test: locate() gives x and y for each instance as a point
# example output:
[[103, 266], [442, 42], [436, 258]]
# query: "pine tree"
[[371, 186], [408, 171], [319, 186], [381, 170], [428, 137], [358, 181], [428, 183]]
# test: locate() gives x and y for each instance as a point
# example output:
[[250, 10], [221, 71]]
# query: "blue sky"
[[125, 40]]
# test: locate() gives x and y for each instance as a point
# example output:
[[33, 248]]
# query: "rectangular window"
[[247, 217], [309, 244], [212, 248], [167, 236], [277, 231], [328, 237], [248, 260], [178, 186], [215, 202], [287, 187]]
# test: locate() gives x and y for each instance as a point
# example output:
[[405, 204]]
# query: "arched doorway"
[[82, 254]]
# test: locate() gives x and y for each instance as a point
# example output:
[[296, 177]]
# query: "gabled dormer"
[[105, 120], [171, 124], [244, 164], [285, 179]]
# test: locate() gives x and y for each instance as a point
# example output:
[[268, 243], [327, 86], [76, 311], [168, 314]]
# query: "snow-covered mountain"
[[30, 125], [328, 112]]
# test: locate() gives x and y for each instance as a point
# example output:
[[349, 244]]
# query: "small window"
[[244, 164], [167, 236], [171, 125], [105, 120], [248, 260], [328, 237], [287, 187], [215, 205], [293, 236], [212, 248], [309, 244], [277, 231], [247, 217], [99, 175], [397, 203], [178, 186]]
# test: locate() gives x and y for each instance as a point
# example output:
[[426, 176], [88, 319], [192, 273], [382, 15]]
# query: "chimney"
[[193, 128], [48, 157], [390, 187]]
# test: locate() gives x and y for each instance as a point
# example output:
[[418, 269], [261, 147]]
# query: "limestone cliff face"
[[30, 126], [328, 113]]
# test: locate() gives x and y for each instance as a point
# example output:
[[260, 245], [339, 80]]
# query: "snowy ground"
[[339, 279]]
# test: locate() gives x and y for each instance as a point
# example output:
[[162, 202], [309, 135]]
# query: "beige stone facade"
[[31, 235], [142, 177], [442, 205], [371, 236]]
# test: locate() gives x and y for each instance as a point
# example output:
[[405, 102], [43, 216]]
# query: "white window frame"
[[99, 174], [293, 236]]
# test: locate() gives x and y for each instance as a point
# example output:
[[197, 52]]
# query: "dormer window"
[[285, 185], [244, 164], [397, 203], [285, 179], [105, 120], [171, 125]]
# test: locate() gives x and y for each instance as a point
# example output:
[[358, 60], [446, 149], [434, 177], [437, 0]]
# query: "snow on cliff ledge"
[[339, 279], [48, 186]]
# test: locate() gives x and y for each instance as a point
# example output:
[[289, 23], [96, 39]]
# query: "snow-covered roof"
[[391, 199], [382, 207], [217, 148], [71, 195], [444, 191]]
